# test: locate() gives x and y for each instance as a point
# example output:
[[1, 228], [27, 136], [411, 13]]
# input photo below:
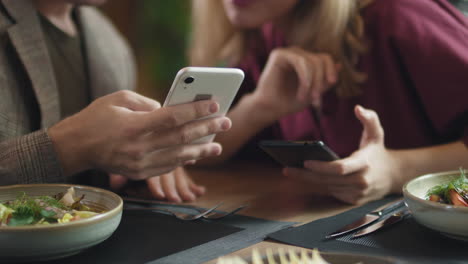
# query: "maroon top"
[[417, 83]]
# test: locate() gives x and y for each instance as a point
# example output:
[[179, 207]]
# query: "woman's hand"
[[293, 79], [176, 186], [367, 174]]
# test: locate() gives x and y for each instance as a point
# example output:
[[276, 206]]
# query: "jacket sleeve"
[[29, 159]]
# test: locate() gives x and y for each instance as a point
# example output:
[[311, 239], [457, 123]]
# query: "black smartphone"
[[294, 153]]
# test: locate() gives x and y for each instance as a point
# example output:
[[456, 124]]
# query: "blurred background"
[[158, 32]]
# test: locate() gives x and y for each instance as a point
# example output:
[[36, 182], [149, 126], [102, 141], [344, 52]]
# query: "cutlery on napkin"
[[368, 219], [384, 222]]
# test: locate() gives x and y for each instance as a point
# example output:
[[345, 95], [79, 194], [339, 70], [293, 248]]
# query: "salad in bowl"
[[439, 202], [60, 208], [49, 221], [454, 192]]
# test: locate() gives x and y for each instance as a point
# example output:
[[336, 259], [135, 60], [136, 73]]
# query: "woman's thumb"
[[372, 129]]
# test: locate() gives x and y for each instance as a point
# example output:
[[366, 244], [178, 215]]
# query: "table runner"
[[407, 241]]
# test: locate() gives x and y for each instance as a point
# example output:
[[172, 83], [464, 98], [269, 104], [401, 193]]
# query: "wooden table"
[[269, 195]]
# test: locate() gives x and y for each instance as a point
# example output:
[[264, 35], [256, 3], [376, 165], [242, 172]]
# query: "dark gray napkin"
[[407, 240]]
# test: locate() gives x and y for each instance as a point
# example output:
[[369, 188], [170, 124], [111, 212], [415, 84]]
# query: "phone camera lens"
[[189, 80]]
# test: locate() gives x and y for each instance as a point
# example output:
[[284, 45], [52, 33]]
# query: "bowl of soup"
[[37, 224]]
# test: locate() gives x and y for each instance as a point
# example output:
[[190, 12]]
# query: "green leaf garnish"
[[23, 215], [47, 213], [21, 221], [460, 185]]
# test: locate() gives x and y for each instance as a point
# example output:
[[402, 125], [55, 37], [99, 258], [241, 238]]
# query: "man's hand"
[[129, 134], [367, 174]]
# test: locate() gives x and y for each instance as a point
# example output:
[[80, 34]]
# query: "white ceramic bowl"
[[43, 242], [447, 219]]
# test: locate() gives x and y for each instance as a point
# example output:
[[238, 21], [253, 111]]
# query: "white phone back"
[[219, 84]]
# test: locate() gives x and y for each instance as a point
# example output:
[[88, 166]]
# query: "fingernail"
[[190, 162], [361, 109], [202, 190], [214, 107], [191, 197], [366, 113], [175, 198], [226, 125], [161, 194], [216, 150]]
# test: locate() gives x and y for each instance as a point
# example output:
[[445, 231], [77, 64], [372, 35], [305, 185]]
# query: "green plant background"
[[162, 36], [164, 33]]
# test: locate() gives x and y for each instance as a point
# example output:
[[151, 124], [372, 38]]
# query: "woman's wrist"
[[259, 111], [400, 171]]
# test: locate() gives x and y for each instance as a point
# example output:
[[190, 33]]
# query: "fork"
[[213, 215], [178, 215], [218, 215]]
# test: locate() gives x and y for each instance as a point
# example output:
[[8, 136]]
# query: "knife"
[[394, 218], [368, 218]]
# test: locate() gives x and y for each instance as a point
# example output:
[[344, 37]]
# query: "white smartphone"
[[203, 83]]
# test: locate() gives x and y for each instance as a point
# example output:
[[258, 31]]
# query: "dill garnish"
[[52, 202]]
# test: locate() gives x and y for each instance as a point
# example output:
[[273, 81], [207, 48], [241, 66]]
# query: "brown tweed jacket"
[[28, 93]]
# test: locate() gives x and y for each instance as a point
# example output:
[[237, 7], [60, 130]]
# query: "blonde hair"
[[334, 27]]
